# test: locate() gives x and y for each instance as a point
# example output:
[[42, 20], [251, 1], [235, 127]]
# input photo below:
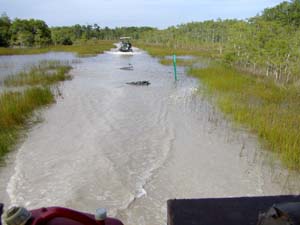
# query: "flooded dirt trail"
[[130, 148]]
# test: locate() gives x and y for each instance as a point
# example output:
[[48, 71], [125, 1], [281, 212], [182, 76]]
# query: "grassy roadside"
[[271, 111], [88, 48], [17, 107], [267, 109], [15, 110], [162, 51]]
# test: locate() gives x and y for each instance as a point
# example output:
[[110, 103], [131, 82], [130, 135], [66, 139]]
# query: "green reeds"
[[269, 110], [84, 48], [15, 110], [162, 51], [46, 73]]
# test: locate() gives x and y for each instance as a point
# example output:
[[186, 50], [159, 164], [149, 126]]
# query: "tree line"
[[267, 44], [36, 33], [23, 33], [71, 34]]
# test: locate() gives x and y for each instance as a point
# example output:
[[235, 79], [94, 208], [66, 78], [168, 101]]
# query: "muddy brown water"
[[130, 148]]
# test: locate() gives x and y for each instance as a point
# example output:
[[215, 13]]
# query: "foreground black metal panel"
[[222, 211]]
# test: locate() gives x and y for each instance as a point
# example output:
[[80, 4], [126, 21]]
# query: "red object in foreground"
[[64, 216]]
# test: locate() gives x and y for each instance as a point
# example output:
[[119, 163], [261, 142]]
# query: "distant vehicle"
[[126, 46]]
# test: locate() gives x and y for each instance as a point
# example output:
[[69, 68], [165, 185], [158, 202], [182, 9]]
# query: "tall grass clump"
[[17, 107], [46, 73], [269, 110], [15, 110]]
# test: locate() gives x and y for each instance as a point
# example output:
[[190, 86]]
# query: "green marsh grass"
[[46, 73], [162, 51], [269, 110], [15, 110], [82, 49], [266, 108]]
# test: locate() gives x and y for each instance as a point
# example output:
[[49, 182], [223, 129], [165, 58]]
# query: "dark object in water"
[[281, 214], [129, 67], [223, 211], [139, 83]]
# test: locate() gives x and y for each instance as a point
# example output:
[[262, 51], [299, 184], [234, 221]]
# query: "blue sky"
[[112, 13]]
